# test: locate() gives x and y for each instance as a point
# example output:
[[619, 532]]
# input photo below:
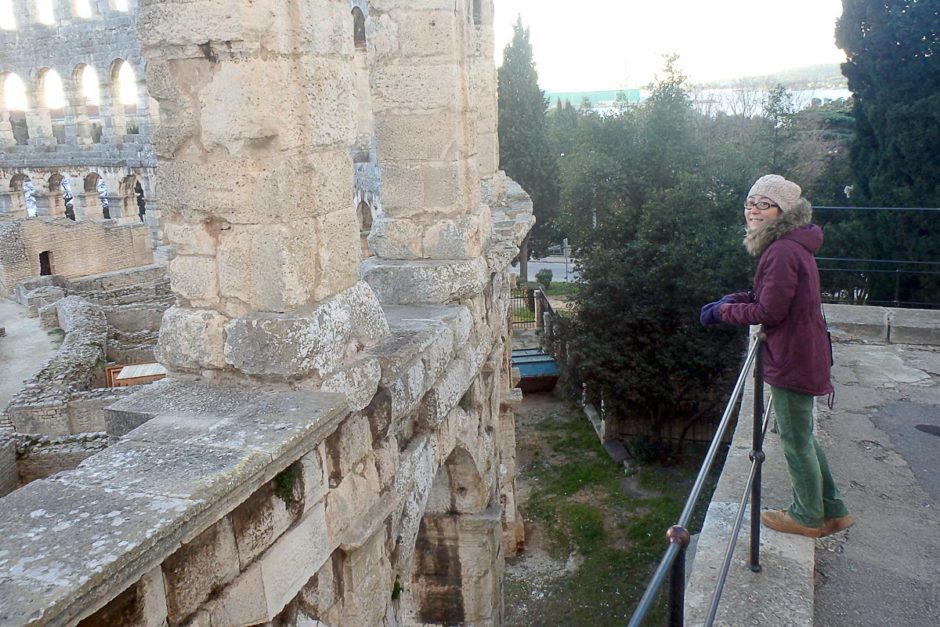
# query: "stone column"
[[425, 131], [256, 127], [483, 92]]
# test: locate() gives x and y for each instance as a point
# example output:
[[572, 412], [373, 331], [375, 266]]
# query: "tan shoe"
[[782, 522], [835, 525]]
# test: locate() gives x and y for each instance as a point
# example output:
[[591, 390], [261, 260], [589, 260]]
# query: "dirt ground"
[[594, 532]]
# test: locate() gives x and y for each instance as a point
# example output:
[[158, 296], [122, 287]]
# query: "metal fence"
[[672, 564], [527, 307]]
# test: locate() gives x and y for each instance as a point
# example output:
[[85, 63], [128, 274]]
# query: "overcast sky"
[[608, 44]]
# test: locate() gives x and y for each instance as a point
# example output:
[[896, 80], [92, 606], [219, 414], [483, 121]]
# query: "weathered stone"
[[347, 447], [351, 499], [192, 339], [199, 569], [267, 514], [358, 379], [425, 282]]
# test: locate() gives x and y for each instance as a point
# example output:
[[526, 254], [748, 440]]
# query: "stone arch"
[[20, 186], [50, 105], [477, 12], [122, 86], [451, 578], [131, 195], [359, 28], [118, 5], [15, 106], [95, 204], [86, 102]]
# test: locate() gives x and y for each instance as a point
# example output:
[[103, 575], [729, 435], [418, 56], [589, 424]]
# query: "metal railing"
[[673, 561], [865, 268], [527, 307]]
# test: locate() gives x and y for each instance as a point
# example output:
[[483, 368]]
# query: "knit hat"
[[785, 194]]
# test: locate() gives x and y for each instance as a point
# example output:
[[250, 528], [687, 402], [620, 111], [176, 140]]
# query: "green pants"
[[815, 495]]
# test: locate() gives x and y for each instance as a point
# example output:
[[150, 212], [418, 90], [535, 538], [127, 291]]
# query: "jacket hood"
[[756, 242]]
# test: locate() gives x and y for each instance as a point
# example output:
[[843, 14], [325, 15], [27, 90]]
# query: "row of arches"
[[41, 108], [54, 196], [46, 12]]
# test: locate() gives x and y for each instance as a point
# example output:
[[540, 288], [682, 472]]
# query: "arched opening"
[[359, 28], [452, 579], [54, 93], [7, 18], [118, 5], [95, 197], [124, 99], [45, 263], [45, 12], [22, 196], [477, 12], [15, 105], [131, 194], [364, 218], [88, 101], [82, 9]]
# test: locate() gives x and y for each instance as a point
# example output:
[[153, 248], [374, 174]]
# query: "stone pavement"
[[23, 351], [882, 442]]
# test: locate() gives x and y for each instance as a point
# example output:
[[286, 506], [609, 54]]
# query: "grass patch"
[[576, 495], [56, 335]]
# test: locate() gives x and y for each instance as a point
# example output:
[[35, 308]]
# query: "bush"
[[544, 278]]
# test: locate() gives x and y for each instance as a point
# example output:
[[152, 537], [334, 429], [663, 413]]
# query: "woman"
[[797, 353]]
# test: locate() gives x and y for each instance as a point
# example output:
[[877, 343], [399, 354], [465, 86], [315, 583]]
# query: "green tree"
[[893, 69], [523, 141]]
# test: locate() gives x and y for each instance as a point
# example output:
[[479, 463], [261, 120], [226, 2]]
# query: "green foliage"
[[285, 483], [544, 278], [893, 70], [523, 145]]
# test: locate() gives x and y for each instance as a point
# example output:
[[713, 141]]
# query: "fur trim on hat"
[[801, 214]]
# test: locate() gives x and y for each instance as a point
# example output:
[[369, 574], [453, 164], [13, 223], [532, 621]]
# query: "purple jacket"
[[786, 300]]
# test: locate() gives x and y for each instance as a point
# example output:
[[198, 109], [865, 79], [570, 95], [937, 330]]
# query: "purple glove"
[[709, 312]]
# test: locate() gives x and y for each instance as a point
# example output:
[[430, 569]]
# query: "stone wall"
[[328, 447], [40, 456], [74, 249]]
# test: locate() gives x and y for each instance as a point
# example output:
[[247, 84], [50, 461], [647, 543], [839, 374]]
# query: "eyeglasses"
[[762, 205]]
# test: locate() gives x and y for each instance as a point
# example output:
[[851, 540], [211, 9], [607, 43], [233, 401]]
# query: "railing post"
[[897, 287], [757, 453], [678, 535]]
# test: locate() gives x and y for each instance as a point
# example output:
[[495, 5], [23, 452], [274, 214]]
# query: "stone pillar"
[[425, 131], [6, 130], [256, 126], [483, 91]]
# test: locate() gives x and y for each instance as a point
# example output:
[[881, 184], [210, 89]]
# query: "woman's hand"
[[709, 313]]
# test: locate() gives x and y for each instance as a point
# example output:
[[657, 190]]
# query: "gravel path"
[[23, 351]]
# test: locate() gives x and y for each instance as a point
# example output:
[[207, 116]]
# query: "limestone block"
[[418, 136], [351, 499], [260, 520], [194, 278], [290, 345], [178, 124], [396, 238], [337, 253], [407, 390], [243, 602], [914, 326], [428, 33], [460, 238], [402, 186], [189, 238], [426, 282], [447, 392], [358, 379], [142, 605], [368, 573], [347, 447], [313, 469], [199, 569], [294, 559], [192, 339], [368, 318], [446, 187], [262, 188], [415, 87], [182, 26], [268, 266], [387, 457]]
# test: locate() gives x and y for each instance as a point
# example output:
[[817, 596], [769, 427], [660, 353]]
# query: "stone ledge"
[[424, 282], [128, 508], [884, 324], [782, 593]]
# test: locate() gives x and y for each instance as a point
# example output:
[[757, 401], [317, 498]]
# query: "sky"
[[609, 44]]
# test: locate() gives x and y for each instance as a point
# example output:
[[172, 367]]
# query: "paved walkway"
[[883, 441], [23, 351]]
